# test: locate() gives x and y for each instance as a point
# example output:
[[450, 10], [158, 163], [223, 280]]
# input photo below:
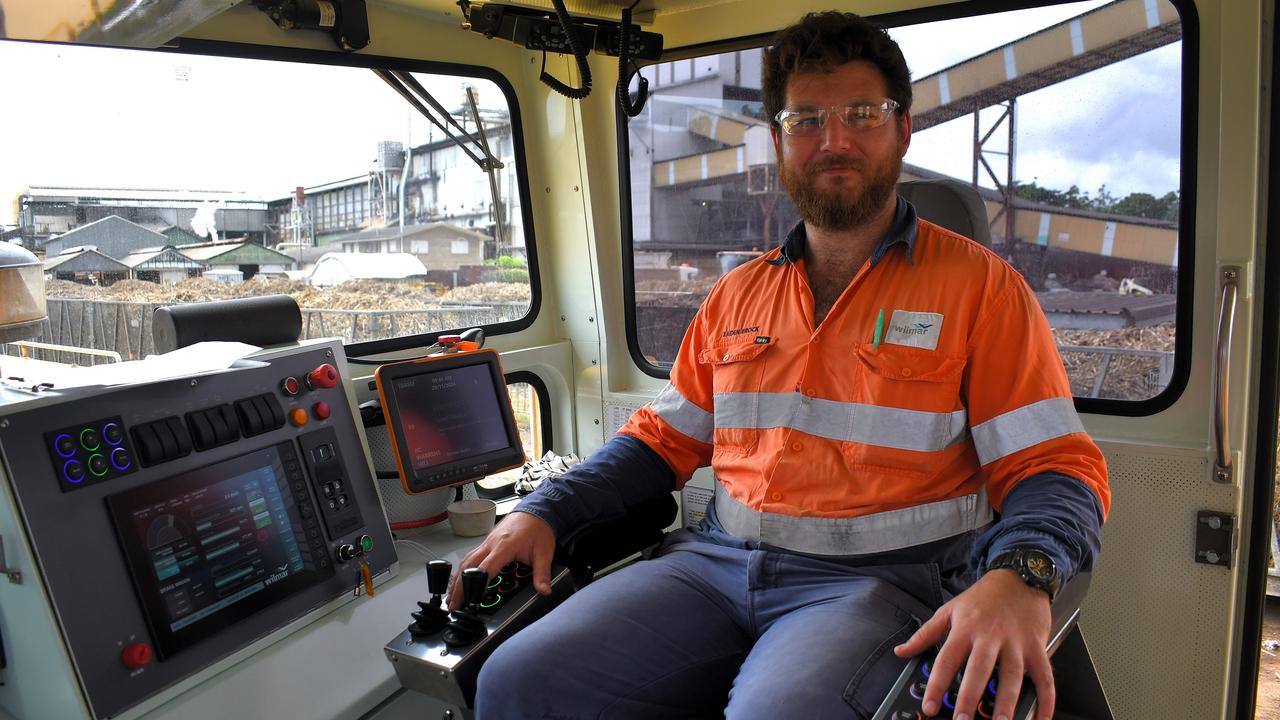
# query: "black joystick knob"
[[432, 617], [438, 572], [465, 626]]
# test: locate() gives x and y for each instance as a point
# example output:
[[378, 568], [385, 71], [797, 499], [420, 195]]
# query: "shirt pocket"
[[737, 371], [885, 441]]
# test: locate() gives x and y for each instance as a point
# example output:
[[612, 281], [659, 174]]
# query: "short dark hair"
[[824, 41]]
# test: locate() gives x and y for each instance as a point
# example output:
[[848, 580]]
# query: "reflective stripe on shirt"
[[851, 422], [875, 533], [1027, 426], [683, 415]]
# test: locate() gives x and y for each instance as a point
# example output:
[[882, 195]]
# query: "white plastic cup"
[[472, 518]]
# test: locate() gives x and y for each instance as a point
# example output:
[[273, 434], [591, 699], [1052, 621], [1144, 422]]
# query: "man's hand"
[[520, 536], [1000, 619]]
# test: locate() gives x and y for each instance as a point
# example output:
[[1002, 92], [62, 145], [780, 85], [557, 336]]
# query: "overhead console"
[[176, 523]]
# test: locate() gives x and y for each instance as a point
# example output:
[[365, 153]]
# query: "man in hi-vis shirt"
[[893, 440]]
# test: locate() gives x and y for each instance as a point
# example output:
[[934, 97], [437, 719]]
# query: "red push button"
[[290, 386], [136, 655], [320, 410], [325, 376]]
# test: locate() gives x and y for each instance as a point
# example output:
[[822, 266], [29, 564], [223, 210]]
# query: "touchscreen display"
[[214, 545], [449, 415]]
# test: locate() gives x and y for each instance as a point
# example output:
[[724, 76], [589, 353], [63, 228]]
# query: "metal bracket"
[[1215, 537], [14, 574]]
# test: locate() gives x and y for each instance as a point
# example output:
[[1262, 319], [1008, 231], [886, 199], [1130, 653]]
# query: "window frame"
[[186, 46], [1189, 128]]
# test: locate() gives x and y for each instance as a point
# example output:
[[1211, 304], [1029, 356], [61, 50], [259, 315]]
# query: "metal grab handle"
[[1229, 279]]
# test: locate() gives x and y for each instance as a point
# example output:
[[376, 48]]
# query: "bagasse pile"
[[354, 295]]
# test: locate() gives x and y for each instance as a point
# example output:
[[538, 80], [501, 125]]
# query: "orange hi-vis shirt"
[[852, 438]]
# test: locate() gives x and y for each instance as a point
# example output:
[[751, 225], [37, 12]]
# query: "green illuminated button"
[[366, 543], [89, 439], [490, 601], [98, 464]]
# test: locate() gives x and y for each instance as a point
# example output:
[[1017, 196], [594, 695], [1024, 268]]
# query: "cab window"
[[145, 178], [1066, 118]]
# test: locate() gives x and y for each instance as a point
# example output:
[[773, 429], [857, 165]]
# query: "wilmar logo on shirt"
[[916, 329]]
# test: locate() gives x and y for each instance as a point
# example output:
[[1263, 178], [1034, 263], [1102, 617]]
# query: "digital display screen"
[[450, 415], [213, 545]]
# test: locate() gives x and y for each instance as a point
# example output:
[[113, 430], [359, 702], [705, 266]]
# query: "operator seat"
[[952, 204]]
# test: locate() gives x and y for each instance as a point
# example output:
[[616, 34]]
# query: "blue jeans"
[[715, 628]]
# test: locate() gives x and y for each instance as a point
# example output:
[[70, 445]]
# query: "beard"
[[844, 206]]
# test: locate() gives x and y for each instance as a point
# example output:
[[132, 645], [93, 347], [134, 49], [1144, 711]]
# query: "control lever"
[[432, 617], [465, 625]]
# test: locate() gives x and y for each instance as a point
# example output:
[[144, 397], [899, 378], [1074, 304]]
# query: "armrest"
[[598, 546]]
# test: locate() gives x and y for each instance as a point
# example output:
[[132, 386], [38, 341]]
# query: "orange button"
[[810, 392], [906, 372], [797, 446], [777, 495], [298, 417]]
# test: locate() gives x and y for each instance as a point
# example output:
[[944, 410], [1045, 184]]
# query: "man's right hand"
[[520, 536]]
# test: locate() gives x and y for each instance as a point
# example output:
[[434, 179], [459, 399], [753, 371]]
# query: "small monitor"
[[449, 418]]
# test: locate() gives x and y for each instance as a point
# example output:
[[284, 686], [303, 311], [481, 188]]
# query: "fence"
[[125, 327]]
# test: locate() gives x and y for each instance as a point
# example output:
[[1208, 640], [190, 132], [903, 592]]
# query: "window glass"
[[1077, 159], [154, 178]]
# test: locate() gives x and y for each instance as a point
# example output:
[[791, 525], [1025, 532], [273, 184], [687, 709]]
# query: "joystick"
[[432, 617], [465, 625]]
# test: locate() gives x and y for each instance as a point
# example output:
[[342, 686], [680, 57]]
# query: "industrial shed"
[[86, 265], [112, 236], [226, 260], [162, 265]]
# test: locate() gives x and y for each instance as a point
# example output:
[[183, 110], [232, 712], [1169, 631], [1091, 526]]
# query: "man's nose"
[[836, 135]]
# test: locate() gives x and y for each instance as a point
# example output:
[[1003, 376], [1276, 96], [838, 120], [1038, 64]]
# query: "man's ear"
[[904, 132]]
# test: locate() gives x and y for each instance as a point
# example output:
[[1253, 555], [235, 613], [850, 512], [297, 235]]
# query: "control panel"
[[175, 523], [440, 652]]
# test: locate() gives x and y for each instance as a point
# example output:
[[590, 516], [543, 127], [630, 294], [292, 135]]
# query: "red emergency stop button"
[[325, 376], [320, 410], [136, 655]]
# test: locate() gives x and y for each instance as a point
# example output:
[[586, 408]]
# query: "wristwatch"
[[1035, 567]]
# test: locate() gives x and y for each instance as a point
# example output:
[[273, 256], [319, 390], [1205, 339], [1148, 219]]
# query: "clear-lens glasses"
[[862, 115]]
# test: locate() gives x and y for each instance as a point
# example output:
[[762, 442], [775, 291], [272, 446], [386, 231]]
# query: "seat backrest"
[[952, 204]]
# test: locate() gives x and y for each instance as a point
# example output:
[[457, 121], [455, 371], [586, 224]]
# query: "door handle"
[[1229, 283]]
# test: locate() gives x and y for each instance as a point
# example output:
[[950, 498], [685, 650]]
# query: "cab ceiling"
[[645, 11]]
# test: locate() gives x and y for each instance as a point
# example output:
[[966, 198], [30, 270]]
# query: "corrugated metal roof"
[[240, 253], [1138, 310], [112, 235], [160, 258], [85, 261]]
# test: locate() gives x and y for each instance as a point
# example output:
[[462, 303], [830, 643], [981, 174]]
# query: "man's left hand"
[[999, 619]]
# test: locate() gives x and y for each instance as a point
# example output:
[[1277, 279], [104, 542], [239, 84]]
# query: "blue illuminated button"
[[73, 471], [89, 439], [120, 459], [65, 445], [112, 433], [98, 464]]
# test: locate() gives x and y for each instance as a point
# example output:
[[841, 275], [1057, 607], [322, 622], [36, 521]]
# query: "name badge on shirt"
[[915, 329]]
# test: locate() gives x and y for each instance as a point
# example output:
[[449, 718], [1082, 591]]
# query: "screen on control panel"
[[215, 545], [449, 418]]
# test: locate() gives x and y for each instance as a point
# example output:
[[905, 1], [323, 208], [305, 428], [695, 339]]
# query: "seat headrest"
[[954, 205]]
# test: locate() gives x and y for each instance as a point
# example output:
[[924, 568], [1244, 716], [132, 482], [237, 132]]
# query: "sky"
[[1122, 120], [78, 116]]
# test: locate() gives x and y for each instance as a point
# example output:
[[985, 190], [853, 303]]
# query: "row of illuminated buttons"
[[98, 464], [90, 440]]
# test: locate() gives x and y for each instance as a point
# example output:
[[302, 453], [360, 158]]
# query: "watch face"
[[1039, 565]]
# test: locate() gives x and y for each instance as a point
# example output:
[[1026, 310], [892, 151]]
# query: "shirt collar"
[[903, 230]]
